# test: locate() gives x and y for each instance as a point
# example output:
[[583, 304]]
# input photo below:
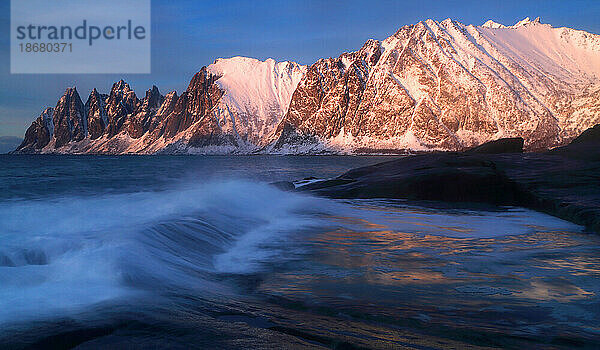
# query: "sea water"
[[178, 251]]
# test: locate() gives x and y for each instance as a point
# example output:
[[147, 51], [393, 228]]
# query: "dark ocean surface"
[[101, 252]]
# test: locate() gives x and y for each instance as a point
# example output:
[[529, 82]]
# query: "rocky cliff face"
[[446, 85], [97, 118], [39, 133], [142, 120], [69, 119], [120, 105], [432, 85]]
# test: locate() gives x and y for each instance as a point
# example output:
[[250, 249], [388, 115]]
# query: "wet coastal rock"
[[564, 182]]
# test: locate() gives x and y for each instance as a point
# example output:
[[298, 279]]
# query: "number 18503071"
[[46, 47]]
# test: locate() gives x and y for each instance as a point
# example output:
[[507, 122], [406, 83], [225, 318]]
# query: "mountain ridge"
[[445, 85], [429, 86]]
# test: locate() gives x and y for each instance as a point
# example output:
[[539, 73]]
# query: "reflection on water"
[[513, 271]]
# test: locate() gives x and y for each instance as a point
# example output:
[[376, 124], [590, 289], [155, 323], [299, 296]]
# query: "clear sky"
[[189, 34]]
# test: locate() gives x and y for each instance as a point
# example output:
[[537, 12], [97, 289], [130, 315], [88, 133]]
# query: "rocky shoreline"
[[563, 182]]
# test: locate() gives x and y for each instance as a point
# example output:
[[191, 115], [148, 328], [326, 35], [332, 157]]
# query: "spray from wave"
[[61, 255]]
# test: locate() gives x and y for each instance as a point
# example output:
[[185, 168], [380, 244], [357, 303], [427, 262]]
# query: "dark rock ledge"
[[564, 182]]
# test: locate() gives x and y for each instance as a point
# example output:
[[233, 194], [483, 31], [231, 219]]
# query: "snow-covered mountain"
[[446, 85], [229, 106], [256, 95], [431, 85]]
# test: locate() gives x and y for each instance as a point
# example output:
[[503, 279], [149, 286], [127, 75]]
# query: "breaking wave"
[[62, 255]]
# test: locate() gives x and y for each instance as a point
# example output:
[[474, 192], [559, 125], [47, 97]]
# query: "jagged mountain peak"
[[69, 118], [39, 134], [494, 25], [152, 93], [96, 112], [71, 92], [153, 98], [121, 85], [200, 80], [524, 22], [94, 94], [121, 90]]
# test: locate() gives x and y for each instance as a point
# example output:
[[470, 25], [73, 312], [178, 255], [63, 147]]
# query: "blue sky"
[[187, 35]]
